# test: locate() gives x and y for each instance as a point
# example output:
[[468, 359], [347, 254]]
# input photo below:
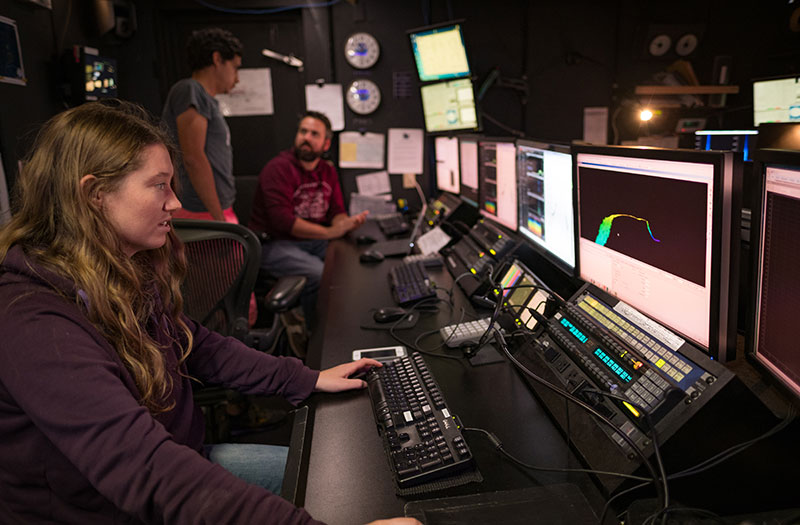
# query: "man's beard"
[[306, 155]]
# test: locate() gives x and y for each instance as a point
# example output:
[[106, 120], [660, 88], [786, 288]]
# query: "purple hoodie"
[[76, 446]]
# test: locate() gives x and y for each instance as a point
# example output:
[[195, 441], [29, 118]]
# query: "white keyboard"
[[467, 332]]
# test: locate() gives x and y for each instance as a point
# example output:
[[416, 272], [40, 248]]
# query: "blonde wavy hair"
[[58, 224]]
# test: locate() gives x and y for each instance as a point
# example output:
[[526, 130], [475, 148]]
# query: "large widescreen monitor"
[[497, 180], [545, 198], [655, 230], [776, 292], [449, 106], [468, 164], [439, 52], [446, 152], [776, 100]]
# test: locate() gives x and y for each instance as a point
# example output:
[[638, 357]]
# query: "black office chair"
[[223, 263]]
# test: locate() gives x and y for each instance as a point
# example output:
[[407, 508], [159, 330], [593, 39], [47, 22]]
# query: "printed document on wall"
[[405, 150], [361, 150], [251, 96], [327, 99]]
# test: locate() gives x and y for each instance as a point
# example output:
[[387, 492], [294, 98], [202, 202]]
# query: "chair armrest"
[[285, 293]]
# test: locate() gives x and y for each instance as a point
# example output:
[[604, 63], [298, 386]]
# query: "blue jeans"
[[306, 258], [261, 465]]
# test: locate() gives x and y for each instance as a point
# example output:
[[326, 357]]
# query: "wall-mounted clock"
[[363, 96], [361, 50]]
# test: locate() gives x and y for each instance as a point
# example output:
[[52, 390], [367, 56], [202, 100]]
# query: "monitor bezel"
[[762, 159], [481, 188], [452, 132], [457, 22], [724, 282], [559, 147]]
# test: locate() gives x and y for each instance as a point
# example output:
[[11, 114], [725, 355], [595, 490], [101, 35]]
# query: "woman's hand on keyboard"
[[340, 378]]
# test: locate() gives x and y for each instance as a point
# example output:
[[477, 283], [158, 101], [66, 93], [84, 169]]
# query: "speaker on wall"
[[671, 41]]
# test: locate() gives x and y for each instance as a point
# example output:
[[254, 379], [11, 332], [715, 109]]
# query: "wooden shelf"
[[686, 90]]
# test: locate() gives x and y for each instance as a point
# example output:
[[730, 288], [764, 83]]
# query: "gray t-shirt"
[[188, 93]]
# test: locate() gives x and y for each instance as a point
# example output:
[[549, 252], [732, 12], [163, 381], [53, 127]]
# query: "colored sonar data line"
[[605, 228]]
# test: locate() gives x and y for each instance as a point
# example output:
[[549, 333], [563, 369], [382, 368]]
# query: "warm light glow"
[[646, 114]]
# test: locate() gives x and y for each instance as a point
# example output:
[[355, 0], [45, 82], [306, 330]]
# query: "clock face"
[[361, 50], [363, 96]]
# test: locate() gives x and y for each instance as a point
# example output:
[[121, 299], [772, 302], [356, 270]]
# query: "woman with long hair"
[[97, 419]]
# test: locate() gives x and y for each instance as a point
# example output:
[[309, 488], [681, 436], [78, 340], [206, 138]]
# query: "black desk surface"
[[349, 480]]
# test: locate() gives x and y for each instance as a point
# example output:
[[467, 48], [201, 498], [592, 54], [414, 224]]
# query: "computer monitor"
[[99, 74], [739, 140], [468, 164], [522, 295], [449, 106], [446, 152], [655, 230], [439, 52], [497, 180], [776, 100], [776, 291], [545, 197]]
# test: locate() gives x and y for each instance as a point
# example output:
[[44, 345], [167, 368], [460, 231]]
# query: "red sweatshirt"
[[287, 191]]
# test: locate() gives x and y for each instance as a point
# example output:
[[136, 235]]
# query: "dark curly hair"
[[203, 42]]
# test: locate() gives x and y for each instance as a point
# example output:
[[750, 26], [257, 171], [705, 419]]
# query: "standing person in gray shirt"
[[197, 124]]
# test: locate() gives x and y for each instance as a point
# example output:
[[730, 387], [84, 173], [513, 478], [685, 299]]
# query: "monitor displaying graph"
[[655, 230]]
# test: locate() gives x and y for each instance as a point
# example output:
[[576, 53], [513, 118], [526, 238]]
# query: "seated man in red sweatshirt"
[[299, 204]]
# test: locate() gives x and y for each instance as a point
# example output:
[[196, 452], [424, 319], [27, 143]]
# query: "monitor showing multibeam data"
[[776, 292], [776, 100], [497, 180], [468, 166], [545, 198], [439, 52], [655, 230], [449, 106], [446, 153]]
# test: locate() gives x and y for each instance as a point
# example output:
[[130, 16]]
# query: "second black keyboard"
[[421, 438], [392, 224], [410, 283]]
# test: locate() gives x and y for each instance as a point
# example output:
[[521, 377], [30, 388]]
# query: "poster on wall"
[[11, 69], [251, 96]]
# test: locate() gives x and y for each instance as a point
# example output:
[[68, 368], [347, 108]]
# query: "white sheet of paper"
[[373, 183], [251, 96], [376, 204], [432, 241], [327, 99], [405, 150], [357, 150], [595, 125], [5, 209]]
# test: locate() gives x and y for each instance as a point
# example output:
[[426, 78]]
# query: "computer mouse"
[[388, 314], [364, 239], [371, 256]]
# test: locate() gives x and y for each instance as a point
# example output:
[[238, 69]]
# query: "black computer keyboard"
[[392, 224], [410, 283], [422, 439]]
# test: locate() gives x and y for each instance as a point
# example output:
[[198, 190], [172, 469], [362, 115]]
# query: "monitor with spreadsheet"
[[468, 164], [775, 299], [446, 152], [776, 100], [497, 180], [545, 198], [439, 52], [449, 106], [655, 230]]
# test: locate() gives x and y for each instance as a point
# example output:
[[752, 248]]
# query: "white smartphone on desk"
[[382, 354]]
